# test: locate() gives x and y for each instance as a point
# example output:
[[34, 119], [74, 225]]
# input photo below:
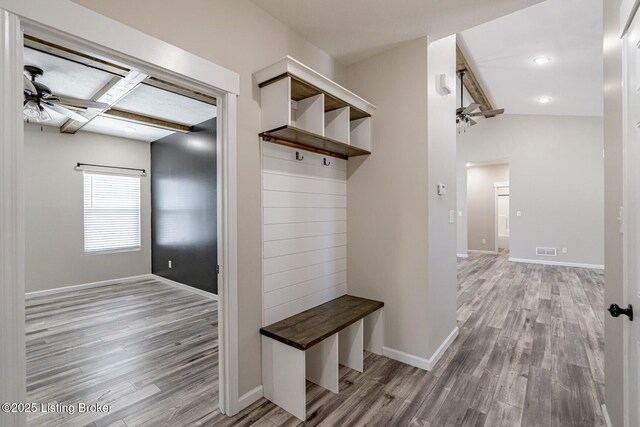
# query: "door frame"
[[496, 186], [86, 31], [628, 12]]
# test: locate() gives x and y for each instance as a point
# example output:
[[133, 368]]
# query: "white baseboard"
[[421, 362], [476, 251], [462, 255], [558, 263], [87, 286], [250, 397], [605, 415], [185, 287]]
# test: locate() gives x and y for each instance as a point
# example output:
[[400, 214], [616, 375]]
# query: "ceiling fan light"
[[44, 115], [31, 110]]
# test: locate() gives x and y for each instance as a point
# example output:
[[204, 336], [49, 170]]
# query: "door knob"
[[616, 311]]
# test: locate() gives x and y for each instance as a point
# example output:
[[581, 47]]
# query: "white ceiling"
[[69, 78], [352, 30], [569, 32]]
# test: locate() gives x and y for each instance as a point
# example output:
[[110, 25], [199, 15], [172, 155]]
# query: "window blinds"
[[111, 212]]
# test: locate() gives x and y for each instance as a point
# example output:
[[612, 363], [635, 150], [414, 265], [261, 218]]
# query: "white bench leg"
[[322, 364], [351, 346], [374, 332], [283, 376]]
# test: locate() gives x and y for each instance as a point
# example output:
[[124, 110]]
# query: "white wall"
[[442, 279], [556, 181], [54, 204], [396, 222], [304, 232], [242, 37], [481, 205]]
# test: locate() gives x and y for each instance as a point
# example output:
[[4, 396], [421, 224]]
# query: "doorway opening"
[[502, 216]]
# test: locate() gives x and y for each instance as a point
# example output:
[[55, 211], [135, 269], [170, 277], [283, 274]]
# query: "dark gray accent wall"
[[184, 211]]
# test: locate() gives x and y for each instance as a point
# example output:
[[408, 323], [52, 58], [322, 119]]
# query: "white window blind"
[[111, 212]]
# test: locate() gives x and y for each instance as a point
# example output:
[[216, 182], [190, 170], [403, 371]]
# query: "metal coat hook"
[[324, 162], [299, 157]]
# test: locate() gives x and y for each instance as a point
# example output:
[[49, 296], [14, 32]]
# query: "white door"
[[632, 218], [503, 221]]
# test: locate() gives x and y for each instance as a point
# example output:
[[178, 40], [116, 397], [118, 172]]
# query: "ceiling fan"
[[464, 115], [39, 99]]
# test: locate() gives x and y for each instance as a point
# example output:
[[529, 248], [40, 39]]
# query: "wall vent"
[[546, 251]]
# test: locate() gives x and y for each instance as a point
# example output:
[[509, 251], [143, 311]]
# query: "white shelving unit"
[[302, 108]]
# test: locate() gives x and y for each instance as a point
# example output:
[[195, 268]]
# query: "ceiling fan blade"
[[471, 107], [488, 113], [28, 86], [81, 103], [65, 112], [472, 122]]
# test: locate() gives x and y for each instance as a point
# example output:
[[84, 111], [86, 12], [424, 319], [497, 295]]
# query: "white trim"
[[605, 415], [289, 65], [462, 255], [71, 288], [501, 184], [12, 222], [477, 251], [558, 263], [66, 23], [185, 287], [421, 362], [250, 397]]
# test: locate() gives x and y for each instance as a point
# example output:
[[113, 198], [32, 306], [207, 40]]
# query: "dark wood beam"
[[471, 83], [145, 120], [72, 55], [171, 87]]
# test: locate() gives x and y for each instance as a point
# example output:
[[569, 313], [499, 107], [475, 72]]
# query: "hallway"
[[530, 353]]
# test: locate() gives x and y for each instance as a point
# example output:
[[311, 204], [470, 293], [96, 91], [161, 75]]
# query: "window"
[[111, 213]]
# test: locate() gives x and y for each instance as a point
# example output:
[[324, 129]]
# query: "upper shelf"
[[294, 68], [304, 138]]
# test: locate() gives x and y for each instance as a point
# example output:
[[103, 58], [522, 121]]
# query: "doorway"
[[502, 216], [116, 41]]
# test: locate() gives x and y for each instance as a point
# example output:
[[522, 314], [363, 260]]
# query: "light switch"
[[518, 213], [460, 214]]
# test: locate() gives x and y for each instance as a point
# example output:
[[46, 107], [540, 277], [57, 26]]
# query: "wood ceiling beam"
[[116, 89], [471, 83], [72, 55], [170, 87], [145, 120]]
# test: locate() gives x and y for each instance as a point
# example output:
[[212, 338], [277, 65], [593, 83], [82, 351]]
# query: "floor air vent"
[[546, 251]]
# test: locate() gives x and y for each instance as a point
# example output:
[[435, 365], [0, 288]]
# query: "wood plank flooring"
[[147, 349], [529, 353]]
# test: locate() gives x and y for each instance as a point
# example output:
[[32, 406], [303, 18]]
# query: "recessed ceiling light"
[[541, 60], [468, 164], [544, 100], [129, 129]]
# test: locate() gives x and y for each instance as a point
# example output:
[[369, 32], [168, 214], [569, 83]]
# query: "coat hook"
[[324, 162], [299, 157]]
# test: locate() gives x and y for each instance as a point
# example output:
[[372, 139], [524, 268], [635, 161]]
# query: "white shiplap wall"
[[304, 231]]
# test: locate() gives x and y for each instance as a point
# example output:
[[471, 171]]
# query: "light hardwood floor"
[[530, 353]]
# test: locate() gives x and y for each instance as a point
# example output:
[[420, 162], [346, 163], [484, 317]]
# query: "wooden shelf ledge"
[[299, 138]]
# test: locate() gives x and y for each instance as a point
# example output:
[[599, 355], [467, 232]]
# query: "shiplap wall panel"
[[304, 259], [304, 230]]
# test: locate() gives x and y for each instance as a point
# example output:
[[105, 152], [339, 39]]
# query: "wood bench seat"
[[311, 345], [306, 329]]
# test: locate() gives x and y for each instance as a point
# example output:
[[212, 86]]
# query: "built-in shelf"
[[300, 138], [301, 107]]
